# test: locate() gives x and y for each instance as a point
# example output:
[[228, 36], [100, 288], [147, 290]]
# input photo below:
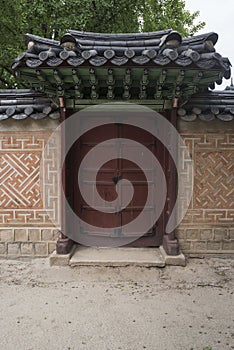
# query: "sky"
[[219, 18]]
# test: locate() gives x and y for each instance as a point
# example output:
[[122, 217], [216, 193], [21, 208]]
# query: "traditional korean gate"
[[107, 178], [159, 69]]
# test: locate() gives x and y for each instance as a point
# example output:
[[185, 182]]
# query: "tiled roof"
[[22, 104], [209, 106], [158, 48]]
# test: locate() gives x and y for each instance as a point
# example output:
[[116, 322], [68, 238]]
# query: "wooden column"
[[170, 243], [64, 244]]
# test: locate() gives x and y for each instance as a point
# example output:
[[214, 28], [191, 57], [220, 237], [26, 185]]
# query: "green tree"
[[162, 14], [10, 45], [54, 17]]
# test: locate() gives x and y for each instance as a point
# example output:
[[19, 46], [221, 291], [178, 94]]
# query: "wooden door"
[[108, 175]]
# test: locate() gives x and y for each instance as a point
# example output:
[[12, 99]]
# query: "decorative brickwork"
[[19, 177], [208, 224], [50, 178], [214, 180], [29, 179], [29, 193]]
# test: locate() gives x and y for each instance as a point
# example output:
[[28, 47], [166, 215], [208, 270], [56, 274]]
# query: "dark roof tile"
[[209, 106], [93, 47], [24, 103]]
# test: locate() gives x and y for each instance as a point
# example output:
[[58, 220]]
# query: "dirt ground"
[[129, 308]]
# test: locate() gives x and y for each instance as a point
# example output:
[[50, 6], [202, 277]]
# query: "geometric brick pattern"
[[51, 178], [213, 196], [28, 179], [201, 217], [185, 178], [208, 226], [19, 178], [30, 182], [214, 180]]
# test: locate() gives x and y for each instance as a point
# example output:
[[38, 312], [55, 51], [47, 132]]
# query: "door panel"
[[109, 174]]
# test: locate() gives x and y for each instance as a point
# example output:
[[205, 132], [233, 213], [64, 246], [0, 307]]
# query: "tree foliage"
[[162, 14], [54, 17]]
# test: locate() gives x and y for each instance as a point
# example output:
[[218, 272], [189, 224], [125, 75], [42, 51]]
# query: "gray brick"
[[184, 246], [198, 246], [228, 245], [41, 249], [231, 233], [2, 248], [21, 235], [49, 235], [13, 249], [193, 234], [34, 235], [220, 234], [27, 248], [213, 245], [181, 233], [51, 247], [206, 234], [7, 235]]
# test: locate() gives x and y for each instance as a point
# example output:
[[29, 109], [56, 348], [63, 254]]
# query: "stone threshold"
[[116, 257]]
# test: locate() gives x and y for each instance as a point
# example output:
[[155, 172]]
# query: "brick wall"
[[29, 191], [24, 241], [208, 226]]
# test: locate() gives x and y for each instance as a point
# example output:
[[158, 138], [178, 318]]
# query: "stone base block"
[[60, 259], [174, 260]]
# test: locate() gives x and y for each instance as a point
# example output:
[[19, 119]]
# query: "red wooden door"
[[108, 175]]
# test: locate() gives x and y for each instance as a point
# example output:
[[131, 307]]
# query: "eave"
[[213, 105], [155, 67], [22, 104]]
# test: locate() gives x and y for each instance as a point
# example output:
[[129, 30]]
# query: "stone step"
[[145, 257], [124, 256]]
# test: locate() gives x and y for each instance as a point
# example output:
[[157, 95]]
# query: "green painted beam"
[[75, 77], [116, 83], [158, 105]]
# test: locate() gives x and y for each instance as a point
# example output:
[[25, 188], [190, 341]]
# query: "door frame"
[[168, 241]]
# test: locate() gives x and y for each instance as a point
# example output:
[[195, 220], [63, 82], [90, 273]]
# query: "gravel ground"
[[127, 308]]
